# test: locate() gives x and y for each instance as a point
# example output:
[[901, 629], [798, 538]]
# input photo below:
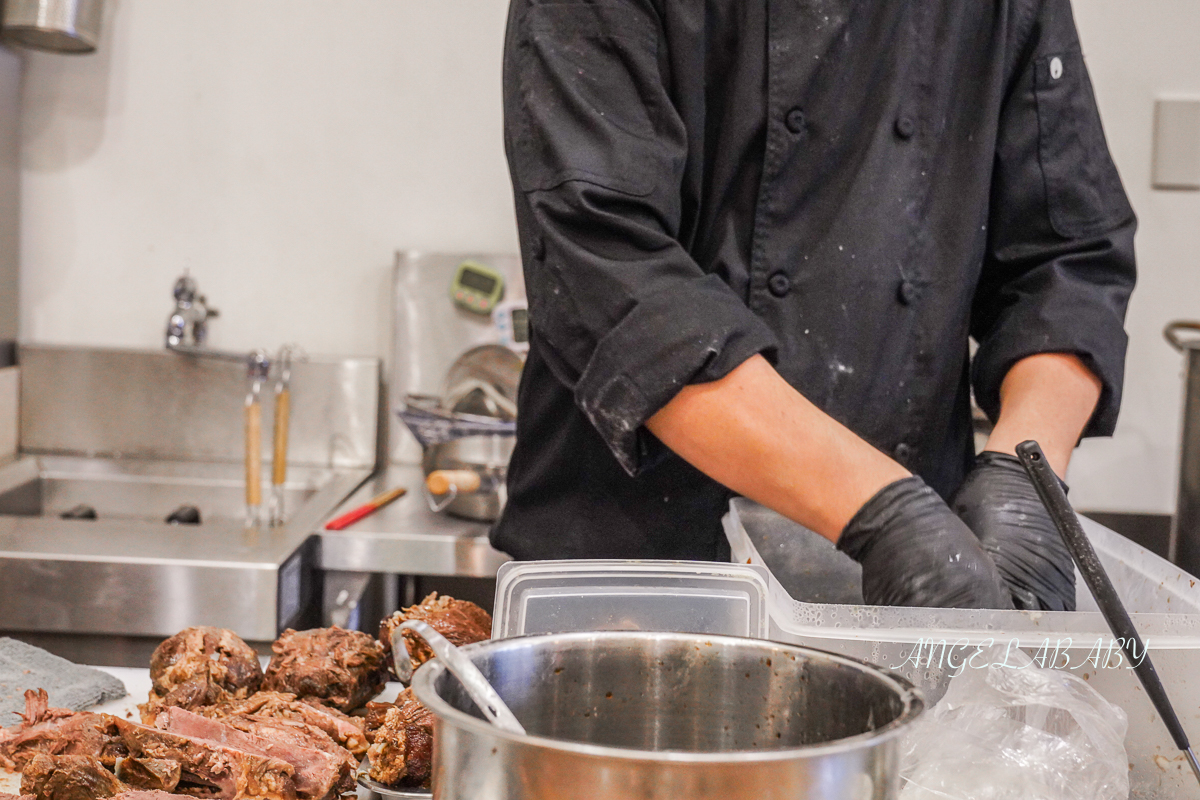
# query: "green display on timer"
[[476, 288]]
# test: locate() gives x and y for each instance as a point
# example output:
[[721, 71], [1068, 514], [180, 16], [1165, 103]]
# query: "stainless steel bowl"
[[661, 716]]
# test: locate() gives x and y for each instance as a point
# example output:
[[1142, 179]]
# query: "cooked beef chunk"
[[401, 752], [460, 621], [49, 777], [4, 796], [149, 773], [316, 772], [373, 718], [148, 794], [201, 667], [340, 668], [58, 731], [212, 769], [346, 731], [389, 750], [37, 708]]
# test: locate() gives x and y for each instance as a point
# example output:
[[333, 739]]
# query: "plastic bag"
[[1013, 730]]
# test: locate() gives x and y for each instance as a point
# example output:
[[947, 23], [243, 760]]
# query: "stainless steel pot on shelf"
[[467, 433], [661, 716]]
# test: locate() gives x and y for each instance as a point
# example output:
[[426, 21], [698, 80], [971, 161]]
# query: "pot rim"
[[912, 698]]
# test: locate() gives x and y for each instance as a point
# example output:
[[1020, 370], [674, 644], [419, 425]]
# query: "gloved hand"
[[915, 552], [999, 503]]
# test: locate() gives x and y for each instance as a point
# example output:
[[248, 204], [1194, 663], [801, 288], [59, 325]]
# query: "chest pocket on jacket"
[[588, 88], [1083, 189]]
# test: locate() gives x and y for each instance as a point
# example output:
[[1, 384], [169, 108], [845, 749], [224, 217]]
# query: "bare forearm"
[[1048, 397], [757, 435]]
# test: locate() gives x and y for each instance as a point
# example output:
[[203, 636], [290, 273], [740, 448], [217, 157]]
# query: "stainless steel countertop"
[[406, 536], [133, 541]]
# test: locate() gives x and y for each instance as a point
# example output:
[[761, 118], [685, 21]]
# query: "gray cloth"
[[23, 666]]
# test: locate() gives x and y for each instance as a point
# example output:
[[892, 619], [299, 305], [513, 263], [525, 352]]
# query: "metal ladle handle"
[[477, 686]]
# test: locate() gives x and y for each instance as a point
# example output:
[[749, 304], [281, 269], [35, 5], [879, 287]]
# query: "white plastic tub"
[[927, 645], [535, 597]]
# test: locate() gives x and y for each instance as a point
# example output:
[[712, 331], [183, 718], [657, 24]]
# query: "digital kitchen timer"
[[511, 319], [476, 287]]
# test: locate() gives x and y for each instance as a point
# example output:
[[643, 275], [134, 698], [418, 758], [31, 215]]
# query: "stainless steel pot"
[[482, 382], [60, 26], [665, 716], [486, 457]]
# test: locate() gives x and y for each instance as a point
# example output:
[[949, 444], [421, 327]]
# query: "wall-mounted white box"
[[1177, 144], [10, 378]]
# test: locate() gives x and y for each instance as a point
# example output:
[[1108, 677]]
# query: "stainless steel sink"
[[141, 489], [137, 434]]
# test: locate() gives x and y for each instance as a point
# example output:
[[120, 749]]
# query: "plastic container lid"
[[616, 595]]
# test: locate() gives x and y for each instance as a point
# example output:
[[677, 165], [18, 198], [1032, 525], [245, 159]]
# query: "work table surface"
[[407, 536]]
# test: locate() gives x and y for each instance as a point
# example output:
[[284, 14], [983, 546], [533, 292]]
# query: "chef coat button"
[[902, 452], [905, 127], [908, 292], [779, 284], [795, 121]]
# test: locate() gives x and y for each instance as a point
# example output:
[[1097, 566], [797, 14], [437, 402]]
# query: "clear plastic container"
[[930, 646], [615, 595]]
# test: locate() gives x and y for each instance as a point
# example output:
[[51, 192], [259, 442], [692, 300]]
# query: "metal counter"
[[406, 537], [141, 578]]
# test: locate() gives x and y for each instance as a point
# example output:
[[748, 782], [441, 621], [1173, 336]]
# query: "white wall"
[[282, 149], [1136, 52], [10, 75]]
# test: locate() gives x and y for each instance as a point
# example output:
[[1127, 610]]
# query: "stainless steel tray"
[[384, 791]]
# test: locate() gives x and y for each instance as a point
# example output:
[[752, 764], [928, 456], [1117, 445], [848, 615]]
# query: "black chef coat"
[[851, 189]]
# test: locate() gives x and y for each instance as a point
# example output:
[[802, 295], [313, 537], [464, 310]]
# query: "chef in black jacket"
[[757, 235]]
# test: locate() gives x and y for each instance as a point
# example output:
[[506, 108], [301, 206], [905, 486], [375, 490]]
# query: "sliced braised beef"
[[345, 730], [316, 772], [48, 777], [201, 666], [150, 794], [460, 621], [293, 732], [401, 752], [340, 668], [211, 769], [58, 731], [149, 773]]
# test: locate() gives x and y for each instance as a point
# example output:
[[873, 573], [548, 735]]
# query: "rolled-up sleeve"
[[618, 308], [1059, 266]]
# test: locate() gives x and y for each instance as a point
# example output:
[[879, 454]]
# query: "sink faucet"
[[189, 321], [187, 330]]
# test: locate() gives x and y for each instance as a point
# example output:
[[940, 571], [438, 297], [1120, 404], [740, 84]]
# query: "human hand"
[[998, 502], [915, 552]]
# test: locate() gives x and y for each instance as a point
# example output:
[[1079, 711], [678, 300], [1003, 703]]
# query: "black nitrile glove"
[[999, 503], [915, 552]]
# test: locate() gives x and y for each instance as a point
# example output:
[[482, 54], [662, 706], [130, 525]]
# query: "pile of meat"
[[216, 726]]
